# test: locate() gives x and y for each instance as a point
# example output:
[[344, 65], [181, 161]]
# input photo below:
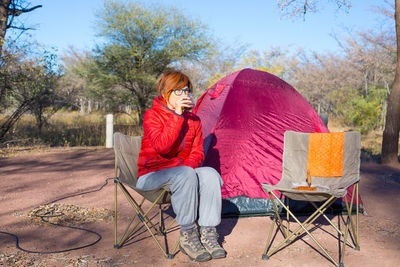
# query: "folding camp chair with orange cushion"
[[317, 167]]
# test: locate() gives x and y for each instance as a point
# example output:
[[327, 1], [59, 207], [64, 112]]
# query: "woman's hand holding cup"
[[184, 103]]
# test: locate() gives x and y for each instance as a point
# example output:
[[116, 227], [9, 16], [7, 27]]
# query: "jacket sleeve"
[[196, 155], [162, 133]]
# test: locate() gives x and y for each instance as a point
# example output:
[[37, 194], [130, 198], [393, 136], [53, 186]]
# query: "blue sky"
[[258, 23]]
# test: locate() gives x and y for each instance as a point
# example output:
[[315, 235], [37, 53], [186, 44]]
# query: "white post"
[[109, 131]]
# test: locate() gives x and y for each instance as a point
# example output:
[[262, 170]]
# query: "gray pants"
[[192, 190]]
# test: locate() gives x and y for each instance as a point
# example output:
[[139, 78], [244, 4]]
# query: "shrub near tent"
[[244, 117]]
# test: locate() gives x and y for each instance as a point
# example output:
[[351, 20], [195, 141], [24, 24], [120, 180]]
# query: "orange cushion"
[[325, 155], [305, 188]]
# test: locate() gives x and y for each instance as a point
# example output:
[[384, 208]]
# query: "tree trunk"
[[82, 105], [141, 108], [390, 142], [40, 124], [8, 8], [4, 4], [11, 120], [89, 106]]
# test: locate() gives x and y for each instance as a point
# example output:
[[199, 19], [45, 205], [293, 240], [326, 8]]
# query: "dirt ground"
[[28, 181]]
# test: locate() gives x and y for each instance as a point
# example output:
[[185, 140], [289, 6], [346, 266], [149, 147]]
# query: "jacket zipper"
[[148, 167]]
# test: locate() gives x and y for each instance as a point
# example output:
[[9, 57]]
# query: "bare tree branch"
[[294, 8], [22, 28], [16, 12], [387, 12]]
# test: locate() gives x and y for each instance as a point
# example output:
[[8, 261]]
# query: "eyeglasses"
[[179, 92]]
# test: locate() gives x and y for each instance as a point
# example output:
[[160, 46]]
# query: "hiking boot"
[[209, 239], [190, 245]]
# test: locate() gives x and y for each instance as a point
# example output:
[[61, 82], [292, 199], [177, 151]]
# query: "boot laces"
[[193, 239], [210, 237]]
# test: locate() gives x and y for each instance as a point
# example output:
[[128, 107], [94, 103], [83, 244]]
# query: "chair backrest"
[[295, 155], [127, 150]]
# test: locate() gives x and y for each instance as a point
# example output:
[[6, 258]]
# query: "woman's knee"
[[187, 175], [209, 176]]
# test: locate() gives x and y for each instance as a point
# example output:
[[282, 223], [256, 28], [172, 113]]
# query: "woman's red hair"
[[172, 80]]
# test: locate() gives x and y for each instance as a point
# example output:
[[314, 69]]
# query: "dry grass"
[[371, 142], [67, 129]]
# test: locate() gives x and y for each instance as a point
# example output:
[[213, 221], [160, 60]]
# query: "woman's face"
[[176, 95]]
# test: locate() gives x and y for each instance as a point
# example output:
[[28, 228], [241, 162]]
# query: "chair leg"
[[116, 181], [354, 226], [264, 255], [128, 233], [331, 223], [349, 207], [169, 226], [280, 245], [267, 255], [142, 217], [288, 221], [128, 230], [344, 242], [281, 225], [161, 228], [172, 254], [313, 217], [115, 215], [357, 219], [164, 229]]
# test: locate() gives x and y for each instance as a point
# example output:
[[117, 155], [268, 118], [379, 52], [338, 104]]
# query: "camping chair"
[[298, 183], [126, 155]]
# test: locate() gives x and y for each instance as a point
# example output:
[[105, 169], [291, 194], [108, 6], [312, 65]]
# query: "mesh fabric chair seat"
[[326, 190], [127, 150]]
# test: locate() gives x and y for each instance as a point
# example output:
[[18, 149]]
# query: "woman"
[[171, 153]]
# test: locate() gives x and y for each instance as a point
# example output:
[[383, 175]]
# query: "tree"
[[360, 111], [31, 87], [317, 75], [9, 10], [295, 8], [373, 55], [390, 141], [10, 73], [41, 87], [222, 61], [272, 61], [74, 82], [140, 43], [86, 80]]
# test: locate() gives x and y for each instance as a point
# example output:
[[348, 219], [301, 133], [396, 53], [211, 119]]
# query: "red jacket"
[[169, 139]]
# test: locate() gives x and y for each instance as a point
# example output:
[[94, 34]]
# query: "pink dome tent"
[[244, 117]]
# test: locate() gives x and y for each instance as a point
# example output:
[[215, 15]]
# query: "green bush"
[[363, 112]]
